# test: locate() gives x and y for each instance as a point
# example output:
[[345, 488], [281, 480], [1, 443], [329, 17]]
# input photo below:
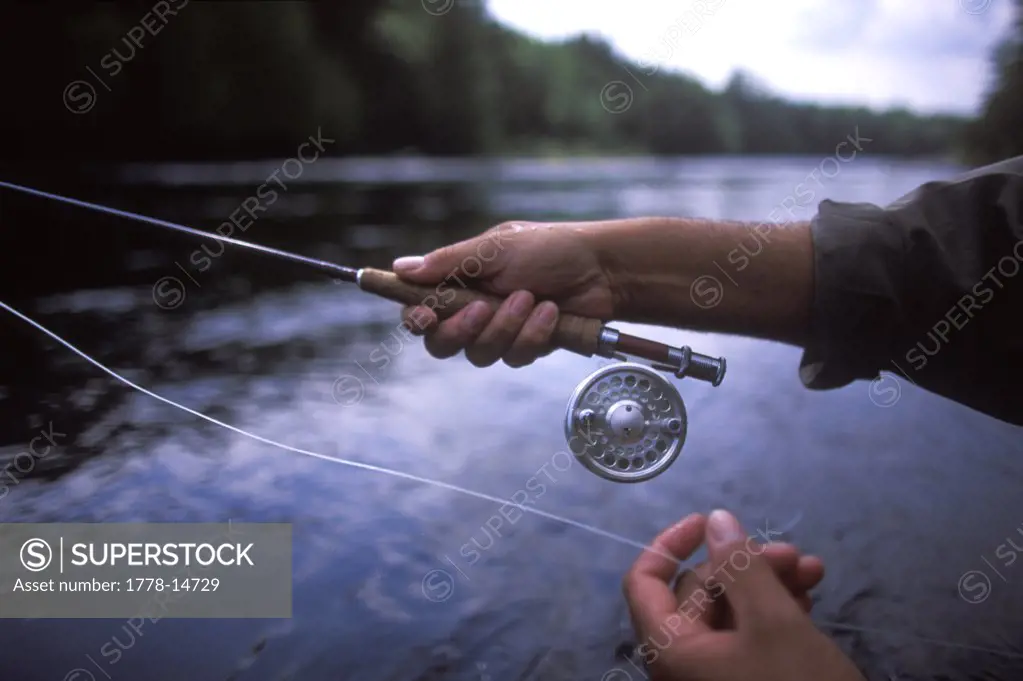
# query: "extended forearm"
[[729, 277]]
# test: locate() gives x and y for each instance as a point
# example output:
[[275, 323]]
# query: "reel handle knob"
[[580, 335]]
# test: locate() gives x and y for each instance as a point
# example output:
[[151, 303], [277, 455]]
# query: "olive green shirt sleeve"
[[929, 288]]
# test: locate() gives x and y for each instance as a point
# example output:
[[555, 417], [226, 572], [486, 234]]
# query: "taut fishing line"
[[324, 457], [640, 416], [462, 490]]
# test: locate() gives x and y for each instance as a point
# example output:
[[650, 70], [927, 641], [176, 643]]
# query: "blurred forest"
[[998, 131], [246, 79]]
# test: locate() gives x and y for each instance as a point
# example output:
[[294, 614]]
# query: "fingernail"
[[409, 263], [723, 527], [681, 523], [420, 319], [548, 313], [476, 316], [520, 303]]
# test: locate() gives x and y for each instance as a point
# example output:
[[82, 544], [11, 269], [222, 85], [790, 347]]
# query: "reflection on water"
[[399, 580]]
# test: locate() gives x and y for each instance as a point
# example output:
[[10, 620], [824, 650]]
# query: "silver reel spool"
[[626, 422]]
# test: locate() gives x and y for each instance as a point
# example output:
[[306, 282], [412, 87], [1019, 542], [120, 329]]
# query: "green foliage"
[[998, 132], [250, 79]]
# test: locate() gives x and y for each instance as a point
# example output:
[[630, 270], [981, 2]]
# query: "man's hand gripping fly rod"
[[644, 270], [441, 300]]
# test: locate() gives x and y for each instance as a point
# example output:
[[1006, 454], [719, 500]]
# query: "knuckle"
[[454, 330], [421, 324], [532, 339], [508, 226], [520, 305], [497, 339], [414, 324], [447, 253], [504, 329], [411, 313]]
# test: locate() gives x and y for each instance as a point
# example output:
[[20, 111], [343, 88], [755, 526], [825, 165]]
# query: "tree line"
[[190, 80], [997, 132]]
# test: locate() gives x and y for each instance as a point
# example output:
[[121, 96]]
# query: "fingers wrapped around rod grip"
[[577, 334]]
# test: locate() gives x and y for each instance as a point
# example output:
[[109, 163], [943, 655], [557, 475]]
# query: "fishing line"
[[456, 488], [157, 222], [323, 457], [640, 414]]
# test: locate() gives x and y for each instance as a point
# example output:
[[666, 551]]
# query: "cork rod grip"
[[576, 334]]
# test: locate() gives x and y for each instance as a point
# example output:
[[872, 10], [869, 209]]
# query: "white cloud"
[[930, 55]]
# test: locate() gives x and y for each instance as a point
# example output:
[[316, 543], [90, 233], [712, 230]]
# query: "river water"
[[902, 493]]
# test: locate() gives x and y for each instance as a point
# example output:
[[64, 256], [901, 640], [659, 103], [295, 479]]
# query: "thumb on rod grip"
[[577, 334]]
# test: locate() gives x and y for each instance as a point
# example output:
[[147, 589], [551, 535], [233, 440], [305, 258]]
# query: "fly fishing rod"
[[625, 422]]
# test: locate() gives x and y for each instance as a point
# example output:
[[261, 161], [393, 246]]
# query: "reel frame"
[[626, 422]]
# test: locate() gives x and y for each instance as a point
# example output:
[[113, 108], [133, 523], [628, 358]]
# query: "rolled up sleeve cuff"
[[858, 255]]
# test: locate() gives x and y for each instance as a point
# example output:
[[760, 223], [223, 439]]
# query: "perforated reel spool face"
[[626, 422]]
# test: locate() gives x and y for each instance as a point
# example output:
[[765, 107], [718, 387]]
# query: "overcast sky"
[[929, 55]]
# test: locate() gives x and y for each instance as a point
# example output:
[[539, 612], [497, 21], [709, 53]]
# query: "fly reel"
[[627, 423]]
